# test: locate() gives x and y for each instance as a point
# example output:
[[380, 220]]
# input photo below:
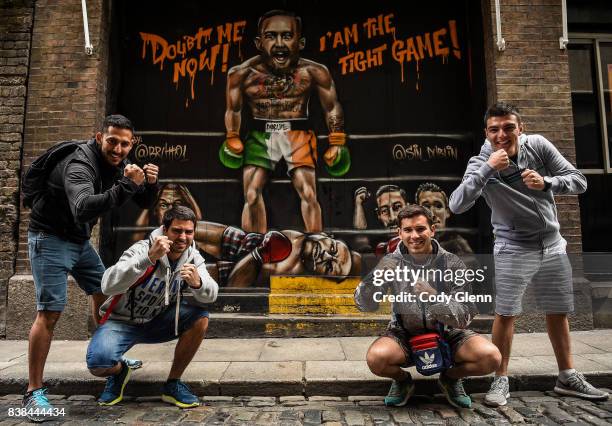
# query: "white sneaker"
[[499, 392], [577, 385]]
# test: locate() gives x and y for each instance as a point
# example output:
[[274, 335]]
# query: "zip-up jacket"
[[419, 317], [160, 291], [520, 215], [81, 188]]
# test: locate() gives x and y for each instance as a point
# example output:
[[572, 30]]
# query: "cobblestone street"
[[528, 407]]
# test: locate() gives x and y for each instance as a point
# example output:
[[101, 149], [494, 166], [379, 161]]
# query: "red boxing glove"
[[388, 247], [274, 248], [392, 244]]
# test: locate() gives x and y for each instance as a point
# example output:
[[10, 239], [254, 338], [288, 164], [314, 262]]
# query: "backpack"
[[36, 179]]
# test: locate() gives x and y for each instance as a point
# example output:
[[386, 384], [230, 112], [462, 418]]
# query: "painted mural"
[[297, 130]]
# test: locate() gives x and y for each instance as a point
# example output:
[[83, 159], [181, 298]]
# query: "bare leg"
[[97, 299], [244, 273], [209, 236], [105, 372], [305, 183], [385, 357], [40, 338], [557, 326], [503, 332], [187, 346], [476, 357], [254, 212]]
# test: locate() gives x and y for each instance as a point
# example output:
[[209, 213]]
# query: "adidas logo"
[[428, 359]]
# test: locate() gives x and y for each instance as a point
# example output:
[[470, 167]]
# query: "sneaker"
[[454, 391], [133, 364], [36, 405], [499, 392], [113, 391], [178, 393], [577, 385], [400, 392]]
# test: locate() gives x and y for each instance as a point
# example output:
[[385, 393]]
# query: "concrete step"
[[259, 325]]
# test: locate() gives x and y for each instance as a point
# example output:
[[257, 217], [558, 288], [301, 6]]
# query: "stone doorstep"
[[149, 386], [601, 289]]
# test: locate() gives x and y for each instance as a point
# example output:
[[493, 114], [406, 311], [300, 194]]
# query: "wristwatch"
[[547, 184]]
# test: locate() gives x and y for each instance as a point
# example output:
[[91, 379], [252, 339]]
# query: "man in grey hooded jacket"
[[418, 271], [146, 284], [518, 176]]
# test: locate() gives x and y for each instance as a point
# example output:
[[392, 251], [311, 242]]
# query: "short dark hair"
[[429, 187], [179, 213], [501, 109], [391, 188], [279, 12], [117, 120], [413, 210]]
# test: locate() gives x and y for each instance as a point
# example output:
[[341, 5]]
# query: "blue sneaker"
[[37, 406], [113, 391], [400, 393], [178, 393], [133, 364]]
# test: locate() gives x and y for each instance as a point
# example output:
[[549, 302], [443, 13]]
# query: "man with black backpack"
[[69, 188]]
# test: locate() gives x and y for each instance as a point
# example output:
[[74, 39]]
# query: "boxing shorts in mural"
[[265, 149]]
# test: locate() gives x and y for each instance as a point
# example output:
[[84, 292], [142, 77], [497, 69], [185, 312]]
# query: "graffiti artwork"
[[297, 135]]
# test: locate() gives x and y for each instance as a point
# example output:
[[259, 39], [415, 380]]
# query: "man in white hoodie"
[[146, 307]]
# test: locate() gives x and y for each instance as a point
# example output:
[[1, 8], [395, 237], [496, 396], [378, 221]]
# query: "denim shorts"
[[51, 259], [114, 338]]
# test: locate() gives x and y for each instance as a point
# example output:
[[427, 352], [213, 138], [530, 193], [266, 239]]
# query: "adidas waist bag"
[[430, 353]]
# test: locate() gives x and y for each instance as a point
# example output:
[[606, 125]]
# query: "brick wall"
[[67, 88], [15, 37], [66, 99], [533, 74]]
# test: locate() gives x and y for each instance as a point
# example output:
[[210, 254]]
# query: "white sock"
[[564, 374]]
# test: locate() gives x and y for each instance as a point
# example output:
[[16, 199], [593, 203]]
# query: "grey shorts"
[[454, 337], [546, 271]]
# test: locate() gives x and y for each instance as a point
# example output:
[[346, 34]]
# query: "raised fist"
[[134, 173], [151, 171], [361, 194], [159, 248], [499, 160]]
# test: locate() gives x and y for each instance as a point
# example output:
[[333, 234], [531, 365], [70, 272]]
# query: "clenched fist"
[[134, 173], [189, 274], [151, 171], [533, 180], [424, 287], [361, 194], [499, 160], [161, 246]]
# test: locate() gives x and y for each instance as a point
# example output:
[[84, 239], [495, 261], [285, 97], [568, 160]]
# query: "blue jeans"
[[51, 259], [114, 338]]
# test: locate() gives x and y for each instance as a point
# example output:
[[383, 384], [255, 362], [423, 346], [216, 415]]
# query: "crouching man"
[[146, 307], [419, 253]]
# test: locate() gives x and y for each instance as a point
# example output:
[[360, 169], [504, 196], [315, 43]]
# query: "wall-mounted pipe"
[[564, 40], [88, 46], [501, 43]]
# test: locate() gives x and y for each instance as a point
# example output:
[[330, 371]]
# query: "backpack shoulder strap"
[[116, 298]]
